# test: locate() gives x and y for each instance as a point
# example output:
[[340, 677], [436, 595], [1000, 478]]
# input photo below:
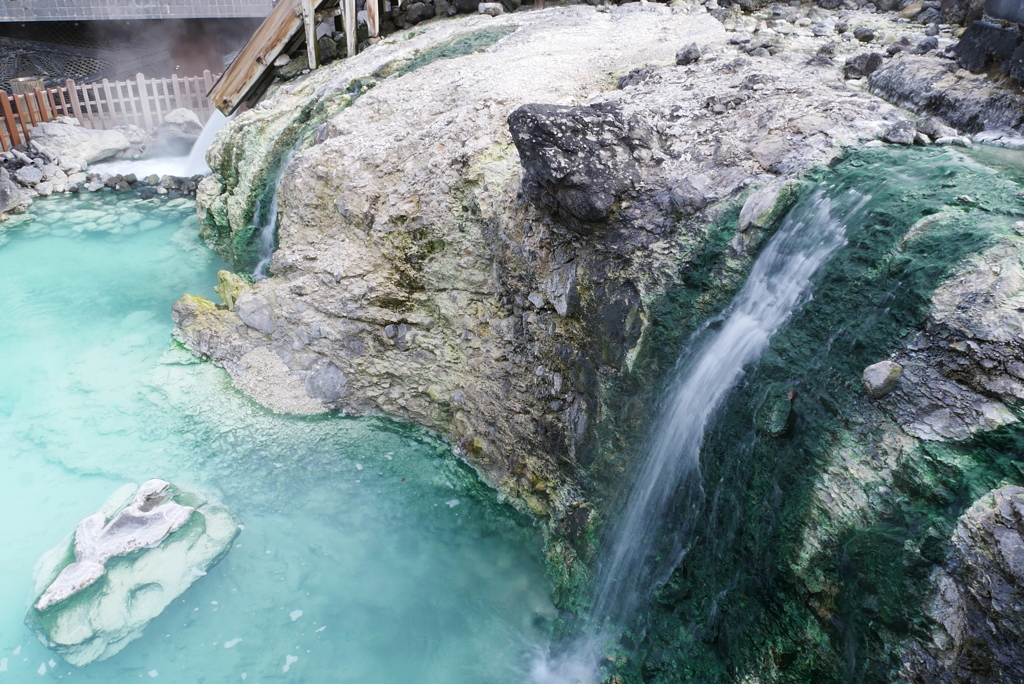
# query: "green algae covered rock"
[[229, 286], [96, 591]]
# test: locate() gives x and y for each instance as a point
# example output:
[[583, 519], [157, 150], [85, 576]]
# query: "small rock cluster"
[[58, 156]]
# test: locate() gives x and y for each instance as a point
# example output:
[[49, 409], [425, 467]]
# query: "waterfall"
[[196, 162], [648, 538], [268, 229]]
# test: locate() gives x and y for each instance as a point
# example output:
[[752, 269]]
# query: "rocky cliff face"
[[414, 277], [489, 235]]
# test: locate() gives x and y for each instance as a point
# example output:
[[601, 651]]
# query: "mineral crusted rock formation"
[[64, 139], [148, 519], [412, 279], [124, 565], [978, 595]]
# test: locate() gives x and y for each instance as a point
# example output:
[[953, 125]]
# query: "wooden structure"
[[140, 101], [290, 24]]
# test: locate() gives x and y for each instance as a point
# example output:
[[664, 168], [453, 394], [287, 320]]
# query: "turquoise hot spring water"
[[369, 552]]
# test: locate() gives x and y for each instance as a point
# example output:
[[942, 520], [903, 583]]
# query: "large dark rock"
[[931, 87], [578, 160], [979, 594], [962, 11], [419, 11], [864, 64], [984, 45]]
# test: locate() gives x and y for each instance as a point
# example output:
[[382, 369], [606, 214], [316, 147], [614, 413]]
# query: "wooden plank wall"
[[141, 101]]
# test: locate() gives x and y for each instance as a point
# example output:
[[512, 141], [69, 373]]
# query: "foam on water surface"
[[95, 394]]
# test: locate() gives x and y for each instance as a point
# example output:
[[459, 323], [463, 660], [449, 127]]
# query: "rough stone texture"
[[861, 65], [880, 378], [28, 175], [579, 161], [978, 598], [688, 54], [60, 139], [11, 196], [412, 278], [930, 87], [984, 45], [132, 558], [900, 133], [961, 373], [962, 11]]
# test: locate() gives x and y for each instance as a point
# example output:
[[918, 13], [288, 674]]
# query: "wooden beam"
[[309, 22], [349, 12]]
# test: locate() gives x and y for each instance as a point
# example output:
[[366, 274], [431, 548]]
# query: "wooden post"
[[110, 103], [349, 12], [25, 113], [24, 118], [12, 128], [97, 103], [309, 21], [136, 117], [73, 96], [44, 114], [177, 91], [373, 18], [144, 101], [54, 111]]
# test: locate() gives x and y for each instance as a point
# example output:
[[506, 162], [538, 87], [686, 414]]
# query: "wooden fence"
[[141, 101]]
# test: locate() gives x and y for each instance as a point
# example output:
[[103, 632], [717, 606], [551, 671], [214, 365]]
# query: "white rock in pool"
[[124, 565]]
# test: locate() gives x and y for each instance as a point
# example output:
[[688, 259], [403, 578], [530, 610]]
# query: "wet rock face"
[[579, 160], [966, 368], [978, 598]]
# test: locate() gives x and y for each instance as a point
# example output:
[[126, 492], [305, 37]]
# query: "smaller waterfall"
[[648, 539], [196, 162], [268, 229]]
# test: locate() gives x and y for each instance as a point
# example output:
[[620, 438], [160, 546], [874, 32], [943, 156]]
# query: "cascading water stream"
[[196, 162], [647, 542], [268, 229]]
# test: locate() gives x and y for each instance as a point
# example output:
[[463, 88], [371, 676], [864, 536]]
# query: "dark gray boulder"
[[932, 87], [984, 45], [900, 133], [579, 161], [962, 11], [863, 34], [864, 64], [688, 54]]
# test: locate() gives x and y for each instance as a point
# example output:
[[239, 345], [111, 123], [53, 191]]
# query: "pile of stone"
[[58, 156]]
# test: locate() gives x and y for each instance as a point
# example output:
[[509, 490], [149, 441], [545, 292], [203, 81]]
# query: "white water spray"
[[646, 543], [196, 162], [183, 167]]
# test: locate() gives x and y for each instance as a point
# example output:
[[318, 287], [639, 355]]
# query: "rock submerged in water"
[[142, 549]]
